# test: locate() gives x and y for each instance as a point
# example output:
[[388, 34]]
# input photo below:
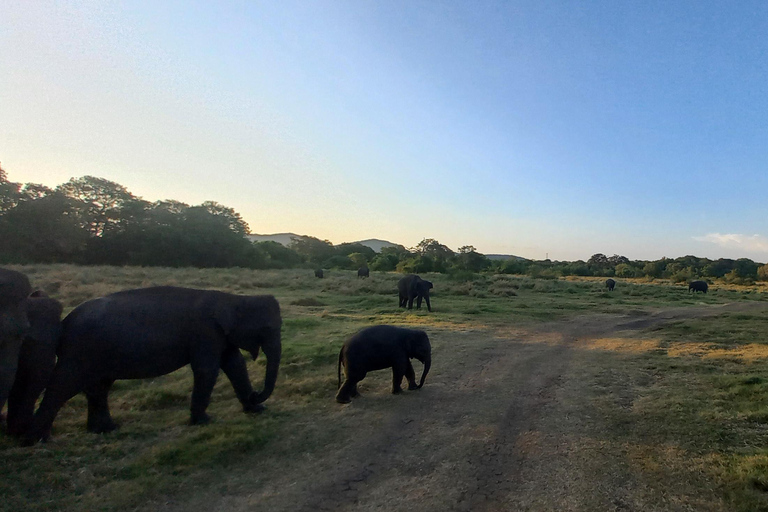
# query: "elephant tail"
[[341, 356]]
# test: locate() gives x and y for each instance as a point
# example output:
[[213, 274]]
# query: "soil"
[[504, 422]]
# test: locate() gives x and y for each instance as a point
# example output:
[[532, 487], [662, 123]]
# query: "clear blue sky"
[[531, 128]]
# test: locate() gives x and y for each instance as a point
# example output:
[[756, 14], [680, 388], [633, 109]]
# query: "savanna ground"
[[543, 395]]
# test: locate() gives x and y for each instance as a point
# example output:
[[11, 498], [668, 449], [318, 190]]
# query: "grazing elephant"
[[36, 360], [413, 287], [379, 347], [698, 286], [363, 272], [610, 284], [14, 324], [145, 333], [319, 273]]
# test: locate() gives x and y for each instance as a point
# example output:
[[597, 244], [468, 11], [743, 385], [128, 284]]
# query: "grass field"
[[694, 389]]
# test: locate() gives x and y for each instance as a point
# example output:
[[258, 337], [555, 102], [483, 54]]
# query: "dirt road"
[[506, 421]]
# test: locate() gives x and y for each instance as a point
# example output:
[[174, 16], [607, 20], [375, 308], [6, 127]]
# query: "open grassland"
[[665, 388]]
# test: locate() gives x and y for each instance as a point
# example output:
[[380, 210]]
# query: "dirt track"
[[504, 422]]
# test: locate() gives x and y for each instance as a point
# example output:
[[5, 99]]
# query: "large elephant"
[[37, 359], [14, 324], [413, 287], [379, 347], [363, 272], [610, 284], [698, 286], [149, 332]]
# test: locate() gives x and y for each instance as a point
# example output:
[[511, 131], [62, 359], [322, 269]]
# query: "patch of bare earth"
[[507, 420]]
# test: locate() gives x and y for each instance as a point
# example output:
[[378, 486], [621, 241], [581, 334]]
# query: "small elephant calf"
[[379, 347]]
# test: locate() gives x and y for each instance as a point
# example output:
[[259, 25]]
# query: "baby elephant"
[[379, 347]]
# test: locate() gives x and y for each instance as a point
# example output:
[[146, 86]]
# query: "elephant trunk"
[[273, 364], [427, 364]]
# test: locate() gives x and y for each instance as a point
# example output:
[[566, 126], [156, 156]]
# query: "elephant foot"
[[102, 427], [29, 441], [412, 387], [343, 399], [200, 419], [397, 391], [251, 408], [16, 430]]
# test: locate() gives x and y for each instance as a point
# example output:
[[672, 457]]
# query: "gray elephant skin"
[[610, 284], [149, 332], [319, 273], [363, 272], [37, 359], [14, 324], [698, 286], [380, 347], [413, 287]]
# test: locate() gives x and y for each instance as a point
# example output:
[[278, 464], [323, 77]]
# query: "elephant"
[[148, 332], [413, 287], [319, 273], [379, 347], [610, 284], [37, 359], [698, 286], [363, 272], [14, 324]]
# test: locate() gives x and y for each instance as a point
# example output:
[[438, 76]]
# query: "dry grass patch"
[[621, 345]]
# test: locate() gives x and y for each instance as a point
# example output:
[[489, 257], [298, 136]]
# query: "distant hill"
[[504, 257], [375, 244], [281, 238], [287, 238]]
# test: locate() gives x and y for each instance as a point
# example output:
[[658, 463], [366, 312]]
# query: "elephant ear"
[[409, 342], [225, 316]]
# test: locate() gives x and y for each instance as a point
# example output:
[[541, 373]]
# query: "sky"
[[541, 129]]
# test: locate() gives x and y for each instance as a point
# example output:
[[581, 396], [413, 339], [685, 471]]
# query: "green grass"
[[707, 406]]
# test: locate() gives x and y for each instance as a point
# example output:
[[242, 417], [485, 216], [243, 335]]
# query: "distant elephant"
[[14, 324], [379, 347], [413, 287], [319, 273], [698, 286], [36, 360], [148, 332], [610, 284], [363, 272]]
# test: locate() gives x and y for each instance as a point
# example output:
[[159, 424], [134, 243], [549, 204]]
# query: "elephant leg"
[[18, 421], [233, 365], [410, 375], [418, 302], [29, 385], [410, 302], [398, 371], [10, 347], [348, 389], [402, 301], [66, 382], [204, 380], [99, 419], [429, 306]]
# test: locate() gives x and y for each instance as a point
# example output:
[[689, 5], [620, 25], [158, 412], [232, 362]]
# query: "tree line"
[[94, 221]]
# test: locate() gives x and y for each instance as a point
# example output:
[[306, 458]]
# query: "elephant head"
[[419, 348], [14, 290], [252, 323]]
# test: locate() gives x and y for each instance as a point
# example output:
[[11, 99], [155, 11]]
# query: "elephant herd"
[[149, 332]]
